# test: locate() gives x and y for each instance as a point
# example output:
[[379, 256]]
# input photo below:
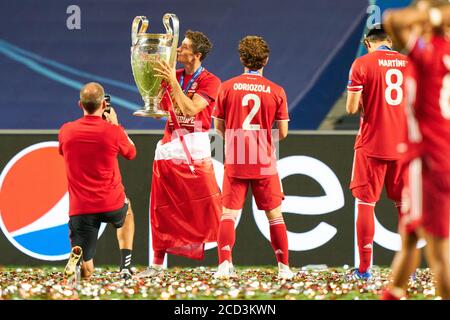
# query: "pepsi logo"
[[34, 202]]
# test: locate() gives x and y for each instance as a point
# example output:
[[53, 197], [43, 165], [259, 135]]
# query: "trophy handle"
[[135, 30], [174, 33]]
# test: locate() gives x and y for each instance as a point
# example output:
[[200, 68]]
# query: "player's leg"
[[396, 180], [268, 193], [87, 269], [83, 233], [407, 259], [233, 196], [123, 221], [90, 243], [156, 267], [279, 241], [125, 236], [278, 235], [227, 235], [437, 253], [366, 184], [234, 191], [435, 220], [365, 231], [225, 243], [404, 264]]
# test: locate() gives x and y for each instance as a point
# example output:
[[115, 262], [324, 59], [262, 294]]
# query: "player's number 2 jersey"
[[250, 104]]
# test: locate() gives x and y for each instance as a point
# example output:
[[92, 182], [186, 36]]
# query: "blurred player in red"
[[376, 89], [185, 205], [422, 31], [247, 108]]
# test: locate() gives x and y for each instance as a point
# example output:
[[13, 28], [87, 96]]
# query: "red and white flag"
[[185, 204]]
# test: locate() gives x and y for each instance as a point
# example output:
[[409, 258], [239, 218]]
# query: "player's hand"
[[111, 117], [166, 72]]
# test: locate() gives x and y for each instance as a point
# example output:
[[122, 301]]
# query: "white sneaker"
[[233, 273], [284, 272], [72, 265], [150, 272], [72, 271], [125, 274], [225, 271]]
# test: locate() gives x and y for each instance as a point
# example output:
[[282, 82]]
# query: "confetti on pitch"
[[198, 283]]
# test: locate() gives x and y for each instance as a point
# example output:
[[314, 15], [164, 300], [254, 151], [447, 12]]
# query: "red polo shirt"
[[90, 147]]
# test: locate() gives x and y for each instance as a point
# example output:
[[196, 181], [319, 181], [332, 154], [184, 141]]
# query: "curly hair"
[[253, 51], [200, 43]]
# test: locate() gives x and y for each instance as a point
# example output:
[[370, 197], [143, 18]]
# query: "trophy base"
[[150, 114]]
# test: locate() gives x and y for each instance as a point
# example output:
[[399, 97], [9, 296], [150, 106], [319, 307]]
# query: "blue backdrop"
[[43, 64]]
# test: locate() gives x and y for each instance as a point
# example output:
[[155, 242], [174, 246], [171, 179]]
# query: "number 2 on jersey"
[[257, 104], [394, 86]]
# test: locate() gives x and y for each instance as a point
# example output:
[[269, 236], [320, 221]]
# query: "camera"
[[107, 98]]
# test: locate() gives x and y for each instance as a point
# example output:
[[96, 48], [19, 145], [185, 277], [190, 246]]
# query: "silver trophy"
[[146, 50]]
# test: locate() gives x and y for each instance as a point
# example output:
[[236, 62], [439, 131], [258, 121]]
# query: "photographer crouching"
[[90, 147]]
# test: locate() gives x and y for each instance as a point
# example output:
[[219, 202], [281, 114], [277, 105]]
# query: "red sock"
[[365, 230], [387, 295], [278, 237], [226, 238], [158, 257]]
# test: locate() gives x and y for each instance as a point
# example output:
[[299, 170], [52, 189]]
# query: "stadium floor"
[[254, 283]]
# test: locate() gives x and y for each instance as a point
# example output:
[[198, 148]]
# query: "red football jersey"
[[380, 77], [432, 104], [250, 104], [207, 86], [90, 147]]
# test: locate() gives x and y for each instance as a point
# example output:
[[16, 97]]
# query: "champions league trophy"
[[146, 50]]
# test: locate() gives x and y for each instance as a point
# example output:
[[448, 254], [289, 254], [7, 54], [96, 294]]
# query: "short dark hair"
[[377, 33], [200, 43], [91, 96], [253, 51]]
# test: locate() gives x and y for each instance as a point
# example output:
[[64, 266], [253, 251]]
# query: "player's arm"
[[218, 113], [283, 127], [398, 23], [355, 86], [126, 146], [219, 125], [353, 101], [187, 106], [282, 115]]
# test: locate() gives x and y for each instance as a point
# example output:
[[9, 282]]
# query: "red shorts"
[[369, 174], [267, 191], [428, 201]]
